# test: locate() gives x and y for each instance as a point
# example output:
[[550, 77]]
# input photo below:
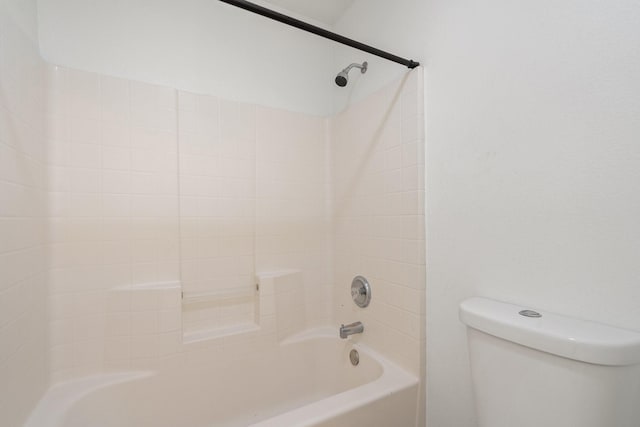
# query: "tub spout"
[[350, 329]]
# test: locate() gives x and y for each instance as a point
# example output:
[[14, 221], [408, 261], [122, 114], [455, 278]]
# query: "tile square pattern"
[[112, 180], [377, 160], [164, 208]]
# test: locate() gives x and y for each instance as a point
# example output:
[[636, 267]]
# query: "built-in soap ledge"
[[282, 295], [276, 304], [214, 314], [268, 280], [220, 297], [218, 333], [145, 297], [151, 286]]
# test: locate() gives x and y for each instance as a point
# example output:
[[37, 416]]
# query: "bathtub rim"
[[393, 379], [56, 403], [61, 397]]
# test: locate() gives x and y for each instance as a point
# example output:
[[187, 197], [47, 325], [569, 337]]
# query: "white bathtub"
[[306, 381]]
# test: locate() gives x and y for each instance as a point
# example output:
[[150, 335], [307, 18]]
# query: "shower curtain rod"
[[268, 13]]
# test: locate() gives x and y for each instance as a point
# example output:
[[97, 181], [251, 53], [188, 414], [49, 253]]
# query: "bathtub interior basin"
[[302, 382]]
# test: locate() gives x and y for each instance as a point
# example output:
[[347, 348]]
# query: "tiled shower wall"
[[96, 174], [22, 215], [217, 212], [148, 187], [113, 206], [292, 211], [253, 201], [378, 204]]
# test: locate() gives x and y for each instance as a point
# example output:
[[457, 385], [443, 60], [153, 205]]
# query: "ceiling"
[[326, 11]]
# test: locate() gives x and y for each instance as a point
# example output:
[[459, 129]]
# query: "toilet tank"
[[552, 370]]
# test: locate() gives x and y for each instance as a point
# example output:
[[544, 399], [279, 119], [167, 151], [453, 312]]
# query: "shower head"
[[343, 76]]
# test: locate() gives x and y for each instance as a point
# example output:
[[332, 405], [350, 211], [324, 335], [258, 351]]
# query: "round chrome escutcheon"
[[360, 291]]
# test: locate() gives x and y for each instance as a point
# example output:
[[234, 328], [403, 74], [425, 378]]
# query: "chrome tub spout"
[[350, 329]]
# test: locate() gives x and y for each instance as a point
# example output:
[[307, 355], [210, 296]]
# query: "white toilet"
[[541, 369]]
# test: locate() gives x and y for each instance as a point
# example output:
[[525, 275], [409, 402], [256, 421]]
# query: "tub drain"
[[354, 357]]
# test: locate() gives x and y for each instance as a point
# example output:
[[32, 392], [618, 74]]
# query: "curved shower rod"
[[268, 13]]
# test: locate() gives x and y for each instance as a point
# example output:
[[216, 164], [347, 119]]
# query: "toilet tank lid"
[[564, 336]]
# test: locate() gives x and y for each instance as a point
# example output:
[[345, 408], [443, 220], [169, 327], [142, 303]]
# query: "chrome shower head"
[[343, 76]]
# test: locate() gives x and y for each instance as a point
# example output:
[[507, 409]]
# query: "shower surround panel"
[[152, 192], [377, 148], [113, 206], [292, 211], [118, 195], [252, 200], [217, 212]]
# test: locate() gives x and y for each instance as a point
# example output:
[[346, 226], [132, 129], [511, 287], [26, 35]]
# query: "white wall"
[[23, 353], [202, 46], [533, 184], [533, 178]]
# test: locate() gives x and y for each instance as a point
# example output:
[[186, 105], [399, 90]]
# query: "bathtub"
[[307, 380]]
